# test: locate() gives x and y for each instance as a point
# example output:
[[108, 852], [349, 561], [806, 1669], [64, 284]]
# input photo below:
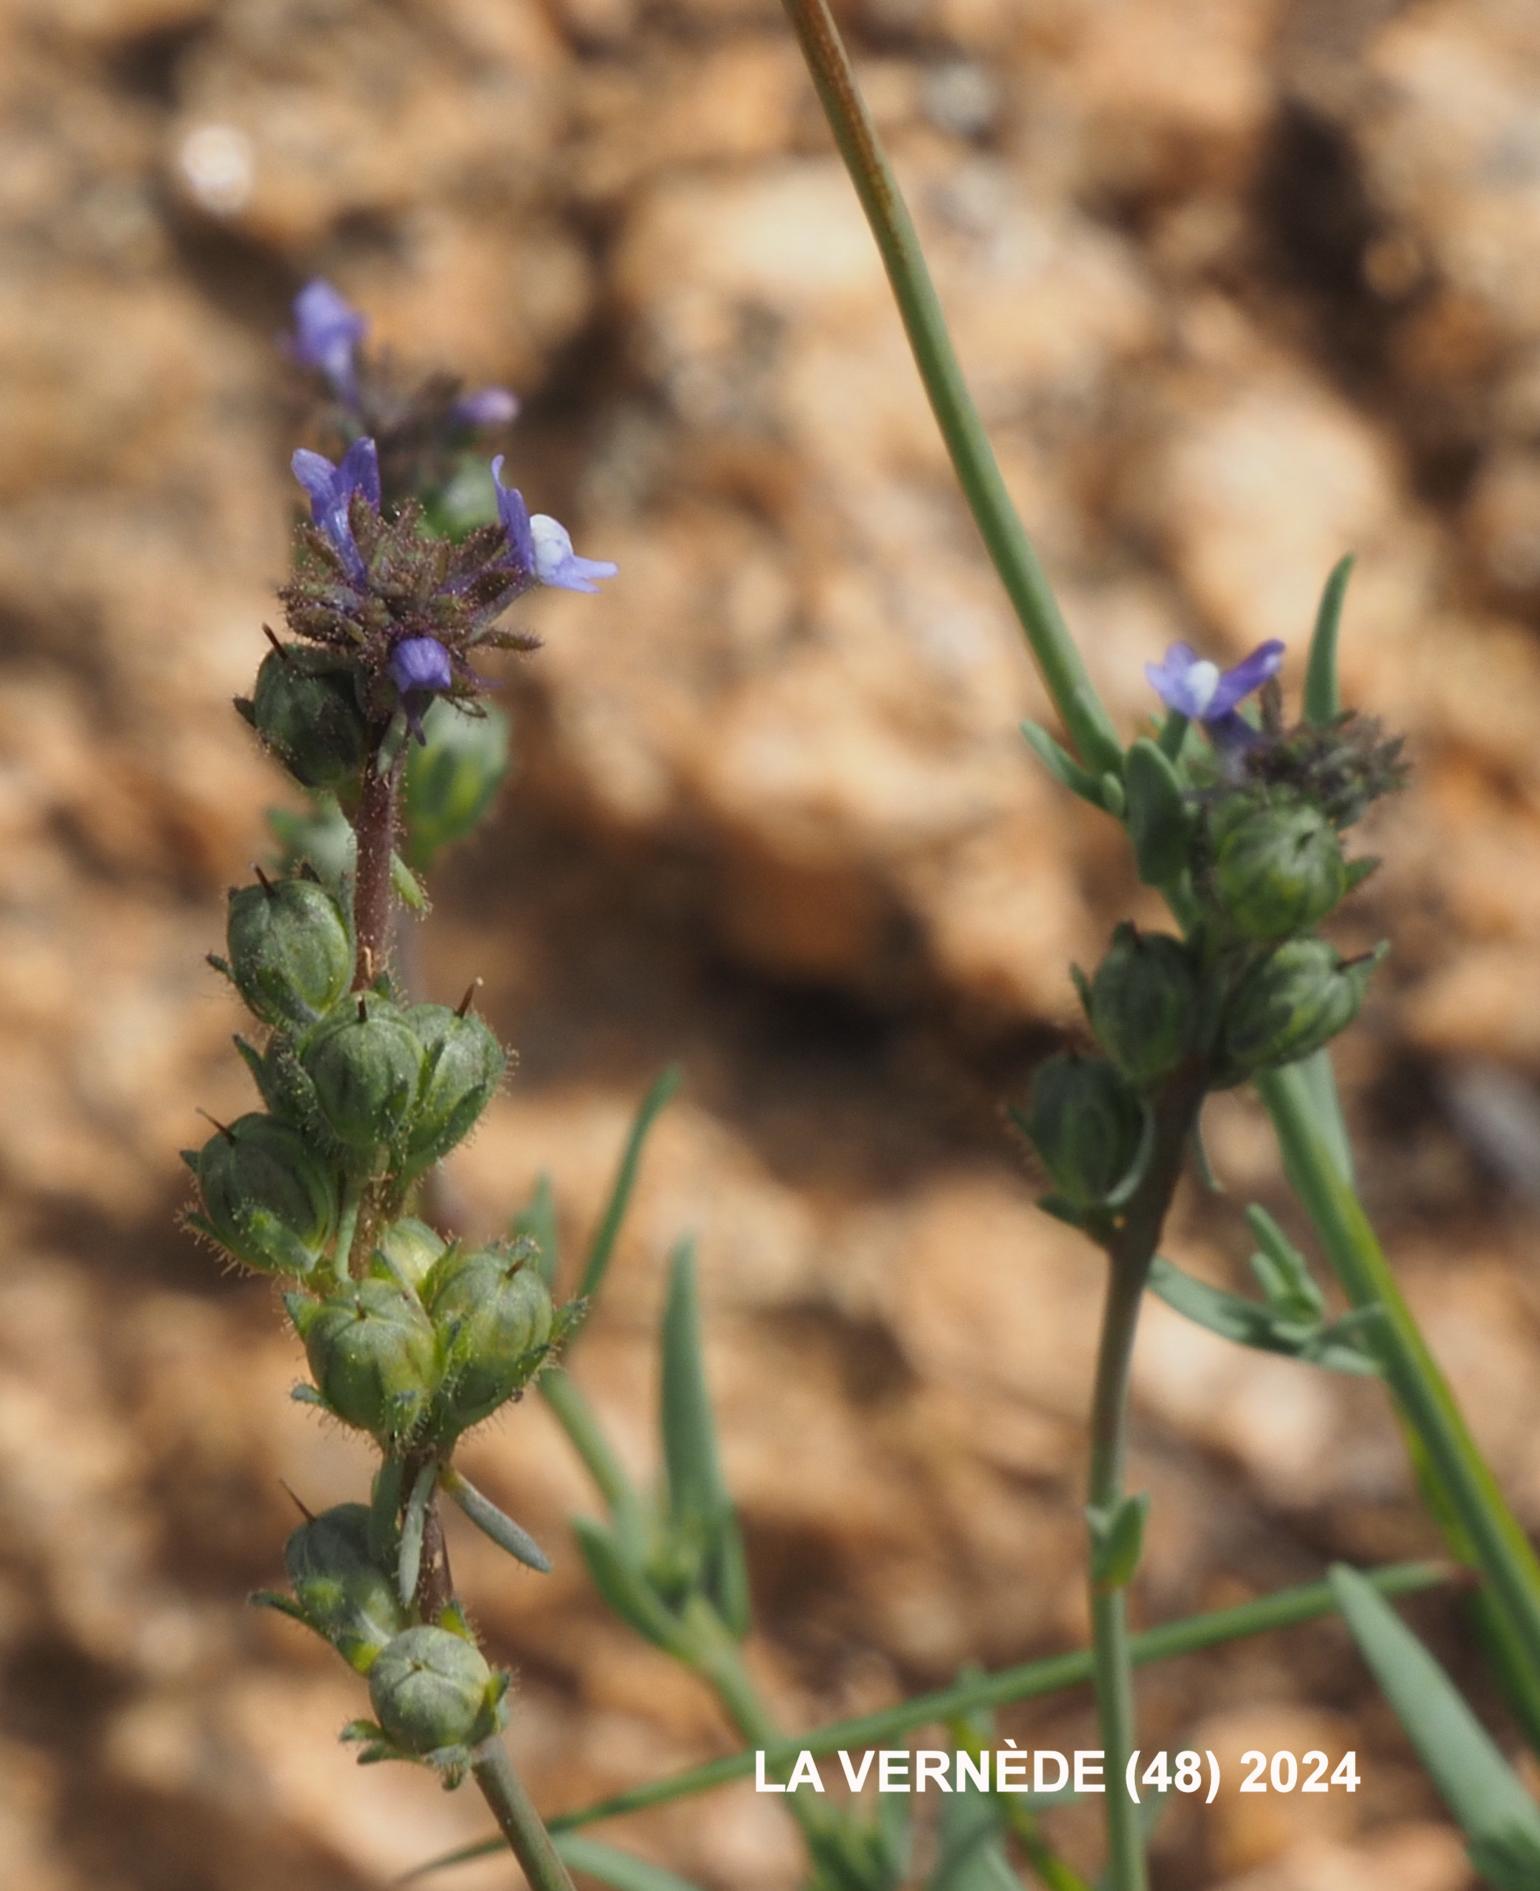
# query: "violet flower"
[[327, 331], [331, 488], [485, 407], [541, 547], [1198, 689], [420, 667]]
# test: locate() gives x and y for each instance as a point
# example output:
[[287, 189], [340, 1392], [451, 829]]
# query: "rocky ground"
[[1242, 285]]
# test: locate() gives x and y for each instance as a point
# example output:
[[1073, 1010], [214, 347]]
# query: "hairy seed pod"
[[1278, 870], [1086, 1124], [305, 708], [344, 1593], [291, 954], [406, 1251], [1296, 1000], [372, 1351], [365, 1067], [1144, 1004], [267, 1196], [492, 1312], [463, 1064], [432, 1689]]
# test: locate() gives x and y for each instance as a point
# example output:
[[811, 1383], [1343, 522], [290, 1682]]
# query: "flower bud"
[[463, 1064], [291, 955], [1144, 1004], [267, 1196], [1278, 870], [432, 1689], [1086, 1124], [492, 1312], [305, 708], [342, 1592], [1296, 1000], [372, 1351], [365, 1067], [406, 1251]]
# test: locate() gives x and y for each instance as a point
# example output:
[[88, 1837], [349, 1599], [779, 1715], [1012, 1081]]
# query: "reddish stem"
[[375, 826]]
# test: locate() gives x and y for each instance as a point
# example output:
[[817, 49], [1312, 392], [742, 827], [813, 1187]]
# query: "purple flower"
[[420, 666], [542, 548], [327, 329], [1196, 688], [485, 407], [331, 489]]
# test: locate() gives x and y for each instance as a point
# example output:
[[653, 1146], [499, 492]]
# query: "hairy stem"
[[374, 825], [515, 1813], [978, 472]]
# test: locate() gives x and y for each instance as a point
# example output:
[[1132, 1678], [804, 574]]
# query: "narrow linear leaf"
[[494, 1523], [695, 1487], [1250, 1323], [413, 1522], [1497, 1816], [602, 1247], [1117, 1537], [616, 1868], [1323, 700], [1062, 765], [623, 1586], [1287, 1269], [538, 1222], [1159, 819], [384, 1508]]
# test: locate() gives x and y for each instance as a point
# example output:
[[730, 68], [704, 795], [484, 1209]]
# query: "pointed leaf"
[[1159, 818], [494, 1523], [1250, 1323], [602, 1248], [624, 1586], [1117, 1537], [615, 1868], [1497, 1816], [1293, 1288], [1062, 765], [413, 1522], [1323, 701], [695, 1485]]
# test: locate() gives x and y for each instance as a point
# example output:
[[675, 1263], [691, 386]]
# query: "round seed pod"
[[1086, 1123], [365, 1068], [492, 1312], [463, 1064], [406, 1252], [291, 953], [1297, 999], [267, 1196], [372, 1351], [431, 1689], [1144, 1004], [346, 1596], [305, 707], [1278, 870]]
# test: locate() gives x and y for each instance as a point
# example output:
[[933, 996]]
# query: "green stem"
[[978, 472], [1487, 1529], [1109, 1608], [579, 1421], [347, 1229], [521, 1824]]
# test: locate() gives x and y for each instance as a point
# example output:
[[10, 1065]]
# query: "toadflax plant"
[[411, 1338]]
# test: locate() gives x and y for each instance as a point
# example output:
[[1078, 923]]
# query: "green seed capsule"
[[463, 1064], [432, 1689], [372, 1351], [1145, 1004], [1296, 1000], [267, 1196], [1279, 870], [1086, 1124], [406, 1252], [291, 955], [365, 1068], [492, 1312], [345, 1595], [305, 708]]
